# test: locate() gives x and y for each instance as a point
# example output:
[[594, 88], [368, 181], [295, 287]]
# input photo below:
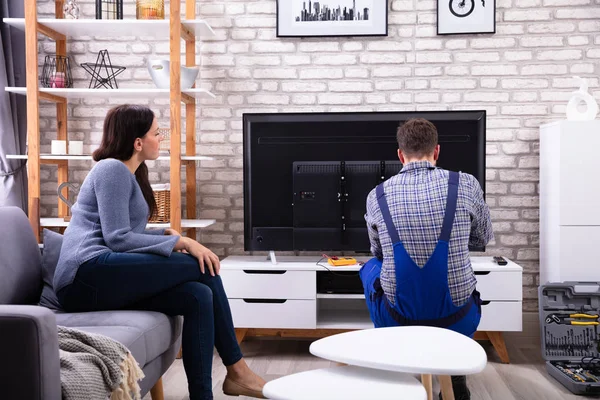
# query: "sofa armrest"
[[29, 362]]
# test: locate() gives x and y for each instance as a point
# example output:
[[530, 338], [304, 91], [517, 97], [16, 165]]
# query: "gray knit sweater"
[[110, 215]]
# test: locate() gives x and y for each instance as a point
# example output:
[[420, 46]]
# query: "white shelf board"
[[185, 223], [198, 93], [344, 319], [195, 158], [89, 158], [340, 296], [49, 157], [53, 223], [116, 28], [84, 93]]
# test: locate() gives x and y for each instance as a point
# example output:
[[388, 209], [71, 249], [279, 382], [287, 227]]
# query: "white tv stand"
[[281, 299]]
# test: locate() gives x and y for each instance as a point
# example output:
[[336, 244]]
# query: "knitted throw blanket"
[[94, 366]]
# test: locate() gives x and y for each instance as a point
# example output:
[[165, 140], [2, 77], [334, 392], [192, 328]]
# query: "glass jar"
[[150, 9]]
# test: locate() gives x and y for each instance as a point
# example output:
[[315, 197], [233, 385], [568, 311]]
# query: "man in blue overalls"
[[421, 223]]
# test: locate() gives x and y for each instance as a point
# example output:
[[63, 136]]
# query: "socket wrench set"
[[569, 319]]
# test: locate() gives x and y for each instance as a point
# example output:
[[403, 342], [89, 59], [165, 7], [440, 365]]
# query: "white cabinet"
[[501, 290], [263, 295], [569, 201]]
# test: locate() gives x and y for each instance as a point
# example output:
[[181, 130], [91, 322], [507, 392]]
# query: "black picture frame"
[[287, 27], [463, 17]]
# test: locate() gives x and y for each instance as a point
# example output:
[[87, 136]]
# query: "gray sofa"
[[29, 363]]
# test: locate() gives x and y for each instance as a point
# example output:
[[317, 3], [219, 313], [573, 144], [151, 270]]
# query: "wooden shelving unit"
[[59, 29]]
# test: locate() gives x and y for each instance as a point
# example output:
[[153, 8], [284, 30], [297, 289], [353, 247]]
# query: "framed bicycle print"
[[309, 18], [456, 17]]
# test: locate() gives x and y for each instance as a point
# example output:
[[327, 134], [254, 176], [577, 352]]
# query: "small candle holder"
[[56, 72], [150, 9]]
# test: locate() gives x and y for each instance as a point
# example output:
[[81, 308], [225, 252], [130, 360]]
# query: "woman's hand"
[[172, 232], [206, 258]]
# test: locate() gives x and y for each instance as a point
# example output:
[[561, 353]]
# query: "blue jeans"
[[172, 285]]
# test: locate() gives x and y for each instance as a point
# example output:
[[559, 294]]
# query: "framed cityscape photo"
[[466, 16], [309, 18]]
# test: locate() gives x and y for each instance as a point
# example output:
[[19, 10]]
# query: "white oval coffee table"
[[345, 383], [409, 349]]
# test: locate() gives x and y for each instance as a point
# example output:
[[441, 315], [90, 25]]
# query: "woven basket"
[[162, 196]]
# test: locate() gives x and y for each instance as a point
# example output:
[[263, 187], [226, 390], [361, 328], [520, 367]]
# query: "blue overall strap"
[[450, 206], [385, 212]]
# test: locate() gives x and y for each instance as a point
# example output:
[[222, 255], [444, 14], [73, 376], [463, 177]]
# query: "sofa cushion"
[[20, 261], [146, 334], [52, 244]]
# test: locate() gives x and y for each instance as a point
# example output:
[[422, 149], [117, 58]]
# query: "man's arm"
[[481, 222], [372, 209]]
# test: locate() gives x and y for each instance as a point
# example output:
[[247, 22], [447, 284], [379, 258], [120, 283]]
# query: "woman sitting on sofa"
[[110, 261]]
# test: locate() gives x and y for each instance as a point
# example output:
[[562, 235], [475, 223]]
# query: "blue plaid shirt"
[[417, 201]]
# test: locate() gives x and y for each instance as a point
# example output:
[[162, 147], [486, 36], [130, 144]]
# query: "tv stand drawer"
[[269, 283], [501, 316], [500, 285], [274, 313]]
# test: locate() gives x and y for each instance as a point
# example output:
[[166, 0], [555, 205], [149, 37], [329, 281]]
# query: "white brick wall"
[[522, 76]]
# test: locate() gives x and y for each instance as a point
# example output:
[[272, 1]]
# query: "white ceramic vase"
[[159, 71], [573, 114]]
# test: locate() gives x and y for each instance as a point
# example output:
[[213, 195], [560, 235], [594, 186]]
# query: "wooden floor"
[[524, 379]]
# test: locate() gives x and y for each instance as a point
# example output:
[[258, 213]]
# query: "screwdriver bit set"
[[569, 320], [573, 342]]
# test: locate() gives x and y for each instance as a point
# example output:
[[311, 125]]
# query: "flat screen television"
[[307, 175]]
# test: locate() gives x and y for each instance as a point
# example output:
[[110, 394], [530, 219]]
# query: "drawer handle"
[[263, 301], [485, 302], [482, 272], [264, 272]]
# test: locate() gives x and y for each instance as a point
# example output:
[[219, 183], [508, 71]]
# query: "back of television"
[[329, 199]]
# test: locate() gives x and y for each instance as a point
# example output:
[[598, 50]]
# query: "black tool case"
[[566, 347]]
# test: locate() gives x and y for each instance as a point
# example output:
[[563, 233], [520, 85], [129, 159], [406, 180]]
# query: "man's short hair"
[[417, 137]]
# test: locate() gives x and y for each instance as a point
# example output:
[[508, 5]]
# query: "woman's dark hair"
[[122, 125], [417, 137]]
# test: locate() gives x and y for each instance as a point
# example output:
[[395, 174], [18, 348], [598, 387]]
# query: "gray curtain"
[[13, 108]]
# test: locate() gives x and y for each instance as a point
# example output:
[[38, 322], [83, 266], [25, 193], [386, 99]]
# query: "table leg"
[[446, 387], [428, 384]]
